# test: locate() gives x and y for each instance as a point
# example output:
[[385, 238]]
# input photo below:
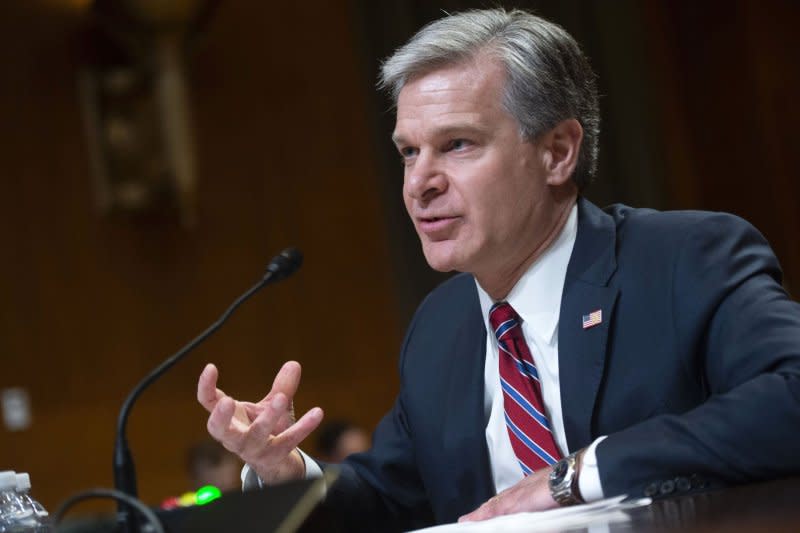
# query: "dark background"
[[291, 145]]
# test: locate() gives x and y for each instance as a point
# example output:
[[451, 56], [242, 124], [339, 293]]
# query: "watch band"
[[563, 480], [576, 486]]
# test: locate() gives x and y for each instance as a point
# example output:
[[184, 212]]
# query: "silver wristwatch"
[[564, 481]]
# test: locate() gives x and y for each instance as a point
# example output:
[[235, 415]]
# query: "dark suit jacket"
[[694, 372]]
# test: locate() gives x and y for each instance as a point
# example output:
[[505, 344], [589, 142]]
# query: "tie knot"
[[503, 319]]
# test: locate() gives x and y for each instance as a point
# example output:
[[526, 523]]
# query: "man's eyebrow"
[[456, 129], [444, 131]]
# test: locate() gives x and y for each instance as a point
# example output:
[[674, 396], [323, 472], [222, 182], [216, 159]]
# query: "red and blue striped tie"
[[527, 424]]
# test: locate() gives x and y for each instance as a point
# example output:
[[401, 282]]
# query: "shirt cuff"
[[313, 470], [250, 479], [589, 478]]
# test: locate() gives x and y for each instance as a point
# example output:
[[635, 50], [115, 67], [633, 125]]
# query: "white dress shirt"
[[537, 299]]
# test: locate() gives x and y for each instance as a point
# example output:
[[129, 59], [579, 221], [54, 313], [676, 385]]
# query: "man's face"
[[476, 191]]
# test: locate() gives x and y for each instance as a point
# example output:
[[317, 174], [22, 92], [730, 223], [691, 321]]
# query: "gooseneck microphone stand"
[[281, 266]]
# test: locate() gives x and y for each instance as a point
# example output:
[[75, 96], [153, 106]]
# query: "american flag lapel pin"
[[592, 319]]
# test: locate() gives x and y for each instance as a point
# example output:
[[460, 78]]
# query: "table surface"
[[771, 506]]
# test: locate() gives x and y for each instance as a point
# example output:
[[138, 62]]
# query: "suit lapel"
[[464, 427], [582, 350]]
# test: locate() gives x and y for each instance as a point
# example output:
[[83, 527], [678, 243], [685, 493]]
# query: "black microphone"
[[282, 266]]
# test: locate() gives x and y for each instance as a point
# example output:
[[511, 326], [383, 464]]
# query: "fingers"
[[287, 380], [263, 434], [234, 432], [265, 421], [256, 442], [530, 494], [502, 504], [488, 510], [297, 432], [266, 425], [221, 425], [207, 392]]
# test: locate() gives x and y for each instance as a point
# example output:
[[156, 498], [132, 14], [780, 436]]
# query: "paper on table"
[[607, 511]]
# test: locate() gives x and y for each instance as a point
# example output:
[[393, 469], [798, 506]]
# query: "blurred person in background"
[[208, 463], [338, 439]]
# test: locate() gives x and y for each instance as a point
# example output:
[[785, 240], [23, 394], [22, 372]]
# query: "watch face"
[[559, 469]]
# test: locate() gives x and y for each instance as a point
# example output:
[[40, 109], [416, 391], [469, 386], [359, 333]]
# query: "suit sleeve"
[[381, 489], [732, 318]]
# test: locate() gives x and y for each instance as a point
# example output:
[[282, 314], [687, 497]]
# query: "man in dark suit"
[[584, 353]]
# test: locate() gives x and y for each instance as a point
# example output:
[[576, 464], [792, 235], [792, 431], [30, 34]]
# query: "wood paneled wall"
[[89, 304], [728, 81]]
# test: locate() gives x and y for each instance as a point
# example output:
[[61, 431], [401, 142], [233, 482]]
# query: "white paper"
[[600, 512]]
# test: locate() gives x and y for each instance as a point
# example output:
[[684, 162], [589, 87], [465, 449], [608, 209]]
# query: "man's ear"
[[561, 147]]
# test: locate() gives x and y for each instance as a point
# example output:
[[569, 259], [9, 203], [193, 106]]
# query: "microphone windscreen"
[[284, 264]]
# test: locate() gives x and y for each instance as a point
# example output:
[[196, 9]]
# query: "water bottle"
[[36, 517], [19, 513], [11, 507]]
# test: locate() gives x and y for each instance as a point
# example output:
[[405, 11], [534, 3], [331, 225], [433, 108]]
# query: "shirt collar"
[[536, 297]]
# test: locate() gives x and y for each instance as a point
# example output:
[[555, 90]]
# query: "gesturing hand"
[[264, 434]]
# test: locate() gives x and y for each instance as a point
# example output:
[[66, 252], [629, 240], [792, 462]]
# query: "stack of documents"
[[610, 510]]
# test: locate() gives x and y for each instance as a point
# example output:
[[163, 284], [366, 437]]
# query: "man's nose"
[[425, 179]]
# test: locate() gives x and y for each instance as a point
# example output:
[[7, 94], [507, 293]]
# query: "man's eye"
[[459, 144], [407, 152]]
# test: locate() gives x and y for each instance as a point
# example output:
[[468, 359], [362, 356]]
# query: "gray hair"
[[549, 77]]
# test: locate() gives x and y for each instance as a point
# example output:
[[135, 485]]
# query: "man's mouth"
[[436, 227]]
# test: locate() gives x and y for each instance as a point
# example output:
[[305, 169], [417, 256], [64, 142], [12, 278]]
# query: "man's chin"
[[441, 262], [441, 268]]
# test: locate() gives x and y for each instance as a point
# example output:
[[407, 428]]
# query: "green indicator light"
[[207, 494]]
